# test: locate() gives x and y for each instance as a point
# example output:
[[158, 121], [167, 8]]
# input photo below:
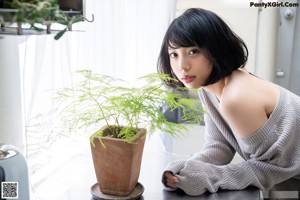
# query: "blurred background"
[[124, 41]]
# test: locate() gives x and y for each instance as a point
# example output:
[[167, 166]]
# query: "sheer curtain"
[[124, 40]]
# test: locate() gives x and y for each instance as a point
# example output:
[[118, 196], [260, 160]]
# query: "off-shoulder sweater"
[[271, 154]]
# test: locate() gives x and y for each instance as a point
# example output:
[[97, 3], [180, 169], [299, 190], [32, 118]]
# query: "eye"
[[194, 51], [173, 55]]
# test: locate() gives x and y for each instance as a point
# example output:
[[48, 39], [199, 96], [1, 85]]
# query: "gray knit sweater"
[[271, 154]]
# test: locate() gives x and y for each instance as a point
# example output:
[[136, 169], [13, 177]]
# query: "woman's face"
[[190, 66]]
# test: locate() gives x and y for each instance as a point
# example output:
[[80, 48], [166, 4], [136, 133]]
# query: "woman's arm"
[[198, 177], [216, 150]]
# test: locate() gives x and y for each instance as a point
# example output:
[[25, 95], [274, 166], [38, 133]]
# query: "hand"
[[170, 180]]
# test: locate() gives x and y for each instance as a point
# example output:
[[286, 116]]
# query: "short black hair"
[[207, 31]]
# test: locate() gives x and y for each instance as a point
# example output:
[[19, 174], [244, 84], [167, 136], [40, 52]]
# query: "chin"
[[192, 86]]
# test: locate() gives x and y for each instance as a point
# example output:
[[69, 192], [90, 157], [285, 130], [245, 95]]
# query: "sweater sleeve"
[[198, 177], [217, 150]]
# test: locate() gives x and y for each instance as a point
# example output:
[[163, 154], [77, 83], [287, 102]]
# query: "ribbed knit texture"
[[271, 154]]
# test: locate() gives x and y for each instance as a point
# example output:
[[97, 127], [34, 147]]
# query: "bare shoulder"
[[247, 102]]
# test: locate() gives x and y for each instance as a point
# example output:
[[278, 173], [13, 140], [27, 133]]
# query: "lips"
[[188, 79]]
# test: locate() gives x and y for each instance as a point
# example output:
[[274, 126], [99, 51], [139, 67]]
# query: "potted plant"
[[39, 13], [127, 113]]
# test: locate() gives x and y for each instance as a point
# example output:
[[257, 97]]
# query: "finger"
[[171, 182], [169, 174], [172, 178]]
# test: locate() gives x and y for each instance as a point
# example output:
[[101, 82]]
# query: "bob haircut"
[[207, 31]]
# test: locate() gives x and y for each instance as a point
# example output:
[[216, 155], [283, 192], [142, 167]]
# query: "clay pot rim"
[[140, 134]]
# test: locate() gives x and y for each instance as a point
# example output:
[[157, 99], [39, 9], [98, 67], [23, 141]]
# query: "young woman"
[[245, 114]]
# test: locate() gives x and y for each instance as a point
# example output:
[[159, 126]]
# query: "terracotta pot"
[[117, 166]]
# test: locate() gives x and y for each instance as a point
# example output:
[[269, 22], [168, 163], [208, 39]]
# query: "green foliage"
[[44, 12], [97, 98]]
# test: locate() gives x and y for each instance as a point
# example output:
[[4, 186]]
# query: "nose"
[[183, 64]]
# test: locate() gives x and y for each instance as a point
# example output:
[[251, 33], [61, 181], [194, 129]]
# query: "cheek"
[[172, 64], [176, 73], [174, 69]]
